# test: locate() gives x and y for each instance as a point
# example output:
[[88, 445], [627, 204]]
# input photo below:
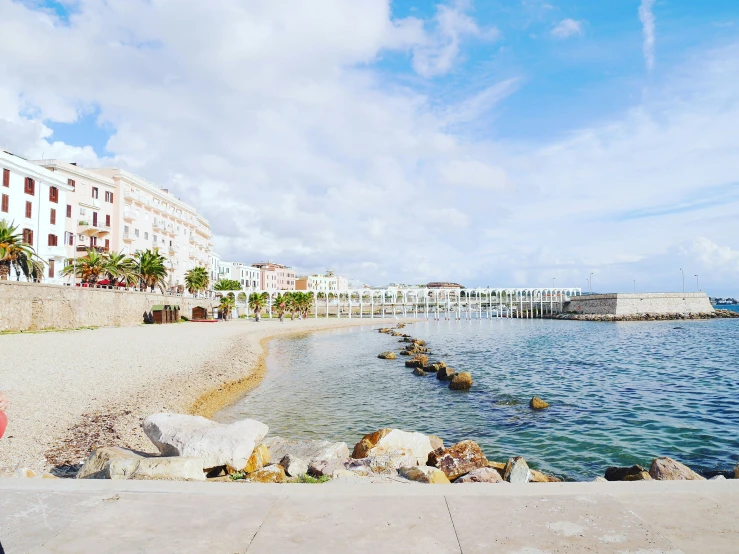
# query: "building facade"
[[247, 276], [275, 276], [322, 283], [35, 199]]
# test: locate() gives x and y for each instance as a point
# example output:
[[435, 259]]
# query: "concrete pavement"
[[68, 516]]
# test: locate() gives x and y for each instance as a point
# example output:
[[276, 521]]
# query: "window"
[[52, 217], [154, 238], [69, 210], [69, 238], [94, 219], [53, 195], [107, 244], [6, 201], [125, 229], [29, 209], [71, 183], [82, 211], [28, 236], [30, 186], [107, 220], [52, 240], [51, 268], [6, 177], [146, 236], [93, 241], [94, 192], [108, 196], [136, 232]]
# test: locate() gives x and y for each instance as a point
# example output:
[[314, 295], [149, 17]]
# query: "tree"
[[89, 268], [280, 305], [197, 280], [14, 252], [120, 268], [227, 284], [242, 297], [151, 269], [257, 302], [228, 303]]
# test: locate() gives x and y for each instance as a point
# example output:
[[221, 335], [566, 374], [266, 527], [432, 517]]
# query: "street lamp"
[[683, 274], [697, 285], [591, 282]]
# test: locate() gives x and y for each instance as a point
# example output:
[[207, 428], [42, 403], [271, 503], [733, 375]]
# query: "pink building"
[[275, 277]]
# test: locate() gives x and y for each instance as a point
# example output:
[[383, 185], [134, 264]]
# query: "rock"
[[258, 459], [269, 474], [537, 403], [419, 361], [718, 478], [539, 477], [418, 371], [458, 459], [517, 471], [120, 463], [178, 468], [405, 353], [481, 475], [445, 374], [641, 476], [600, 479], [388, 356], [110, 462], [308, 450], [433, 368], [620, 473], [294, 466], [736, 471], [461, 381], [326, 467], [216, 444], [24, 472], [388, 462], [436, 442], [667, 469], [387, 440], [424, 474]]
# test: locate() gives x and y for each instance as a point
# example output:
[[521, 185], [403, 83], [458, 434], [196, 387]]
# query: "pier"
[[432, 303]]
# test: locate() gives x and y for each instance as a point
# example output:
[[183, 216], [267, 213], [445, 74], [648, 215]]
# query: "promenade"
[[69, 516]]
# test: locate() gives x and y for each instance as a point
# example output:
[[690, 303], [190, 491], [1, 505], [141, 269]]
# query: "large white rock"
[[170, 469], [386, 441], [217, 444], [308, 450]]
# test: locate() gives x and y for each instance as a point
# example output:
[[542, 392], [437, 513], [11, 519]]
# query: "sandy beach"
[[72, 391]]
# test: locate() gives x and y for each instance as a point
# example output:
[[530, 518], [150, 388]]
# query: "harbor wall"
[[38, 306], [628, 304]]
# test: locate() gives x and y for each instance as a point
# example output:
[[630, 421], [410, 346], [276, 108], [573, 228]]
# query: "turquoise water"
[[620, 393]]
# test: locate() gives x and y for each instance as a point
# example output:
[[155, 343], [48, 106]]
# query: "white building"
[[323, 283], [247, 276], [214, 269], [35, 199]]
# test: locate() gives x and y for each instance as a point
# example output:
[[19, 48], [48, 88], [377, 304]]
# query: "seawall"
[[631, 304], [36, 306]]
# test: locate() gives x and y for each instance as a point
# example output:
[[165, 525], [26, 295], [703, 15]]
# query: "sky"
[[487, 142]]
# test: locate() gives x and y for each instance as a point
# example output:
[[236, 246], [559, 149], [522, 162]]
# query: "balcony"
[[99, 249], [192, 239], [128, 237], [128, 215], [92, 230]]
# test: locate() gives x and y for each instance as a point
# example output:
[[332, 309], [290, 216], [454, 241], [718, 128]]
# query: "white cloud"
[[567, 28], [646, 16]]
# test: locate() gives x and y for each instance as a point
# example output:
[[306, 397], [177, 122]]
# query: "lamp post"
[[697, 284], [634, 286], [591, 282], [683, 274]]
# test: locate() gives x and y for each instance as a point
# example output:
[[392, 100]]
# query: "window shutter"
[[53, 216], [30, 187], [94, 219], [53, 194], [51, 268], [107, 244], [6, 177], [6, 198], [107, 221], [29, 209], [69, 210], [111, 197], [71, 183]]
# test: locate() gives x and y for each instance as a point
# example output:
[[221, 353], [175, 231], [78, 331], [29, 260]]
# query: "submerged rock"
[[481, 475], [418, 371], [461, 381], [633, 473], [419, 361], [537, 403], [388, 356], [517, 470], [217, 444], [309, 450], [390, 440], [424, 474], [458, 459], [667, 469]]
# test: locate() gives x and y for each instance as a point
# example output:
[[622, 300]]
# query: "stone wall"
[[32, 306], [646, 303]]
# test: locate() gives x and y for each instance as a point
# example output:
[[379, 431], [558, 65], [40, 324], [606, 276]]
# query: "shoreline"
[[79, 390]]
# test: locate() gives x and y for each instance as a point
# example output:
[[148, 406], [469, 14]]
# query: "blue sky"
[[532, 139]]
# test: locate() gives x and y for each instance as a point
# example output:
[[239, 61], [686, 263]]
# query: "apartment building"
[[35, 199], [322, 283], [91, 209], [249, 277], [214, 269], [274, 277]]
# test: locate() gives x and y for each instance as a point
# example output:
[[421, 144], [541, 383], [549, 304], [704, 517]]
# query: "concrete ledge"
[[631, 304]]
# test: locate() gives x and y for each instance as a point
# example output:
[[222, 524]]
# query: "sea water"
[[620, 393]]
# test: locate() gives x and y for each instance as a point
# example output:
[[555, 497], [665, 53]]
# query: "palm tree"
[[228, 303], [88, 268], [305, 302], [227, 284], [292, 303], [14, 252], [197, 280], [151, 269], [257, 302], [120, 268]]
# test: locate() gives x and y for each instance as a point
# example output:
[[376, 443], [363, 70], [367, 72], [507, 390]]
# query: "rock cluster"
[[662, 469], [643, 317]]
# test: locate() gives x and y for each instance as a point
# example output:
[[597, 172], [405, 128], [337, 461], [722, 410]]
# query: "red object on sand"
[[3, 423]]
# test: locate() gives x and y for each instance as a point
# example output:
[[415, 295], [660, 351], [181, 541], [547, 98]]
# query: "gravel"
[[72, 391]]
